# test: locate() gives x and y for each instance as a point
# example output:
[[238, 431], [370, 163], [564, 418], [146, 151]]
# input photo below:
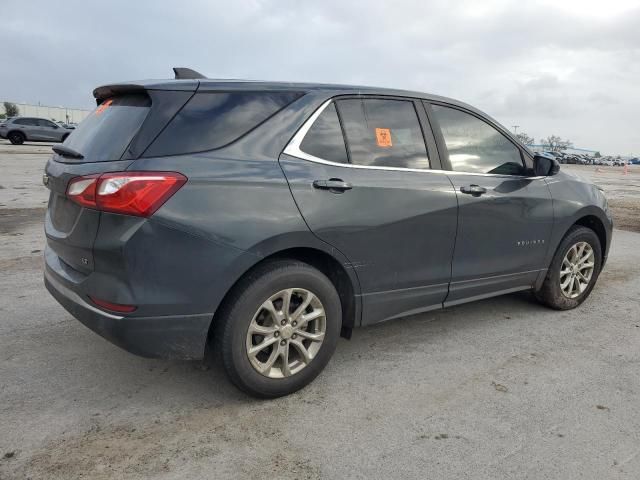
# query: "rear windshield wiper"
[[66, 151]]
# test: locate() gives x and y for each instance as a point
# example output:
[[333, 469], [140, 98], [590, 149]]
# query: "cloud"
[[567, 69]]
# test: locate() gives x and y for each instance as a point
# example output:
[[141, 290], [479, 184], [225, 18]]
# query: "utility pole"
[[515, 129]]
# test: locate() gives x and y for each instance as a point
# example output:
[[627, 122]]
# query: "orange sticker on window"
[[103, 106], [383, 137]]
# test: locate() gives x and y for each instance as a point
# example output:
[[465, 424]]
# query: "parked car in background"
[[20, 129], [634, 161], [263, 220]]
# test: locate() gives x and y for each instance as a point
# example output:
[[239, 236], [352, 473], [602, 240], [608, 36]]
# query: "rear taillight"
[[128, 193]]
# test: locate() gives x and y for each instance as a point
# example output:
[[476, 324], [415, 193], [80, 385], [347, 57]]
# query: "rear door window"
[[383, 132], [26, 121], [324, 139], [474, 146], [213, 120], [106, 132]]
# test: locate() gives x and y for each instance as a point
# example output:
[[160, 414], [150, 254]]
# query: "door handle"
[[335, 185], [474, 190]]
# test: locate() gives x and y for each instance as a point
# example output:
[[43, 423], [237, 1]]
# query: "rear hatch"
[[108, 140]]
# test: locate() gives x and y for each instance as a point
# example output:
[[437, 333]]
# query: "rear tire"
[[291, 308], [570, 279], [16, 138]]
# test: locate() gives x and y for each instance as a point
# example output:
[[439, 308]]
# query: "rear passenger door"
[[505, 213], [376, 199], [29, 126]]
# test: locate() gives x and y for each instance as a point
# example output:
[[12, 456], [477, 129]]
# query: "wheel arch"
[[594, 223], [346, 285], [24, 135]]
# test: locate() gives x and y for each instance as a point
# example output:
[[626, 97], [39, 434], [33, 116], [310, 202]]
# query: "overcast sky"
[[564, 67]]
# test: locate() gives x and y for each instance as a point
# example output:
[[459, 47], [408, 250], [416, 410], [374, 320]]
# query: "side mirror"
[[544, 166]]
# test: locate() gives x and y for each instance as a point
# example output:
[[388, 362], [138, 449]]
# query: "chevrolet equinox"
[[264, 220]]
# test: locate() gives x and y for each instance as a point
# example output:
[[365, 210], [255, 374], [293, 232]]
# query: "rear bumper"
[[175, 337]]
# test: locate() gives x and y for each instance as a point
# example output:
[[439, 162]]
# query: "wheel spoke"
[[303, 306], [262, 329], [286, 371], [262, 345], [286, 301], [565, 284], [271, 308], [575, 288], [585, 280], [307, 317], [314, 337], [304, 353], [266, 366], [586, 257]]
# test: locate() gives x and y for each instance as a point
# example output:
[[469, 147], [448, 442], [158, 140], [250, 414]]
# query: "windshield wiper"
[[66, 151]]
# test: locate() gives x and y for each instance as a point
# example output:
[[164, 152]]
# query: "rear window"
[[213, 120], [108, 130]]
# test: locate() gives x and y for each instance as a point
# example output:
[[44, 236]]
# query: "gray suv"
[[20, 129], [264, 220]]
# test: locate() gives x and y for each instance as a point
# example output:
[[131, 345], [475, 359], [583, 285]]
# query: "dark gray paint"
[[407, 241]]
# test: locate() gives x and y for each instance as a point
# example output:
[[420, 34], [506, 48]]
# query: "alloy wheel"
[[286, 333], [577, 269]]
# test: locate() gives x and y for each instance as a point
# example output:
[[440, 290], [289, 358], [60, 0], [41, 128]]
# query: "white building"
[[62, 114]]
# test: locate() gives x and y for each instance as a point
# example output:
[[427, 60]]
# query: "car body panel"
[[575, 198], [502, 237], [397, 229], [394, 233]]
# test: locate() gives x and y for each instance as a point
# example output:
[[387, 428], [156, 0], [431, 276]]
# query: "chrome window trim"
[[293, 149]]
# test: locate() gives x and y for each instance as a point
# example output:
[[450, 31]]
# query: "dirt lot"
[[501, 388], [622, 190]]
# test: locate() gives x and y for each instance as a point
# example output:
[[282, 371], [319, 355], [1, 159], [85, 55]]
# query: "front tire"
[[279, 328], [574, 270], [16, 138]]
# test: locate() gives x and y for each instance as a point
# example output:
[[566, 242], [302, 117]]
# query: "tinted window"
[[324, 139], [46, 123], [383, 133], [213, 120], [107, 131], [475, 146], [25, 121]]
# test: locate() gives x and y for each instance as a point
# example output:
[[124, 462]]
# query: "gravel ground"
[[502, 388]]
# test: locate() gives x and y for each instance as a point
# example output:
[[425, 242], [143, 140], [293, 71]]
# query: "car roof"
[[207, 84]]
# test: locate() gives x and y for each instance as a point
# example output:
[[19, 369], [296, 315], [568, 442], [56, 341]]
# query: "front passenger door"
[[505, 215]]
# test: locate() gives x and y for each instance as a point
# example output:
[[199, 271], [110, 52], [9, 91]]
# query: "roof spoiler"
[[182, 73]]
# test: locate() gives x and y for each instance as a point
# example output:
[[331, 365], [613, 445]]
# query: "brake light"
[[128, 193]]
